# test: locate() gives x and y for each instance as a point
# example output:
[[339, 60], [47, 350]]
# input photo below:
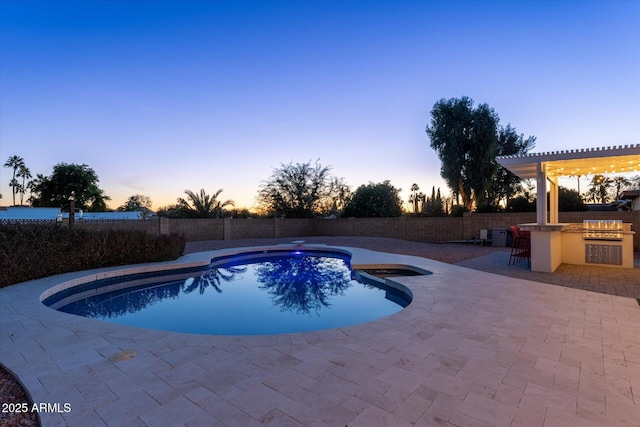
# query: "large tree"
[[302, 190], [67, 181], [465, 138], [505, 184], [375, 200]]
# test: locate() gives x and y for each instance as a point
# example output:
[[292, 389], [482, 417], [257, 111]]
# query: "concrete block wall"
[[197, 229], [251, 228], [474, 222], [149, 226], [334, 227], [434, 229], [419, 229], [294, 227], [373, 227], [379, 227]]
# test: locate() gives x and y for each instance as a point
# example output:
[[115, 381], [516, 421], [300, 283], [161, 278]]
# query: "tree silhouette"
[[14, 162], [467, 140], [599, 188], [79, 181], [302, 190], [416, 198], [304, 283], [212, 277], [202, 205], [24, 173], [375, 200], [619, 184], [505, 184]]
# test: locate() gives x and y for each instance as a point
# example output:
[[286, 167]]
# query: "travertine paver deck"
[[607, 280], [473, 348]]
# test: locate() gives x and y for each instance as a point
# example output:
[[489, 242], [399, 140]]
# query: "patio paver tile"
[[412, 408], [448, 384], [443, 406], [126, 409], [373, 416], [261, 399], [90, 419], [383, 395], [487, 410], [279, 419], [179, 409], [323, 412], [557, 417]]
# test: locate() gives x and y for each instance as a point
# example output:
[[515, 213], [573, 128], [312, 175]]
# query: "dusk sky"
[[163, 96]]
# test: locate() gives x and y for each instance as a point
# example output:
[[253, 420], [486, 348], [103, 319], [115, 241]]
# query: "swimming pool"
[[251, 293]]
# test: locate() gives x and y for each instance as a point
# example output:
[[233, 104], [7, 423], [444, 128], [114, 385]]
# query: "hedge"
[[30, 252]]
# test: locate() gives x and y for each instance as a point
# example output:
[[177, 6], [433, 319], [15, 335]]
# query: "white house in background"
[[20, 212], [51, 214]]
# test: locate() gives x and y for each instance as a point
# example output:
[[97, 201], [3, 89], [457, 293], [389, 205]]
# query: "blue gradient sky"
[[162, 96]]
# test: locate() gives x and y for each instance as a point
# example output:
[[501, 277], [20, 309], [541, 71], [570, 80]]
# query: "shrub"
[[458, 210], [486, 208], [30, 252], [379, 200], [521, 204]]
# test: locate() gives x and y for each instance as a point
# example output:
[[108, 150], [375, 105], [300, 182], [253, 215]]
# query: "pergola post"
[[553, 200], [541, 187]]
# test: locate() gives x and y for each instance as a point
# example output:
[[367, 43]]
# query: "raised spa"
[[253, 293]]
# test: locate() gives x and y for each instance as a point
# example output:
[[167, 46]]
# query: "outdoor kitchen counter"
[[554, 244]]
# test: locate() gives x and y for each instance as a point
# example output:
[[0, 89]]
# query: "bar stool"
[[521, 246]]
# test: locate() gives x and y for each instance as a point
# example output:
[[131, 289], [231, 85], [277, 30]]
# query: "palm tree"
[[414, 197], [601, 186], [24, 173], [620, 183], [591, 195], [202, 205], [14, 162]]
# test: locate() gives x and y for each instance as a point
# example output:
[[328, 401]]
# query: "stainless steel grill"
[[602, 229]]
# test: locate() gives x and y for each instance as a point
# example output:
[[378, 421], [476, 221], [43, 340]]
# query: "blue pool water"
[[250, 294]]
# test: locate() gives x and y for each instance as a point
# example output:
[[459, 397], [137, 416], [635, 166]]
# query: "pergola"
[[547, 167], [551, 242]]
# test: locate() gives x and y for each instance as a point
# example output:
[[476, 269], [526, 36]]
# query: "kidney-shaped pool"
[[253, 293]]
